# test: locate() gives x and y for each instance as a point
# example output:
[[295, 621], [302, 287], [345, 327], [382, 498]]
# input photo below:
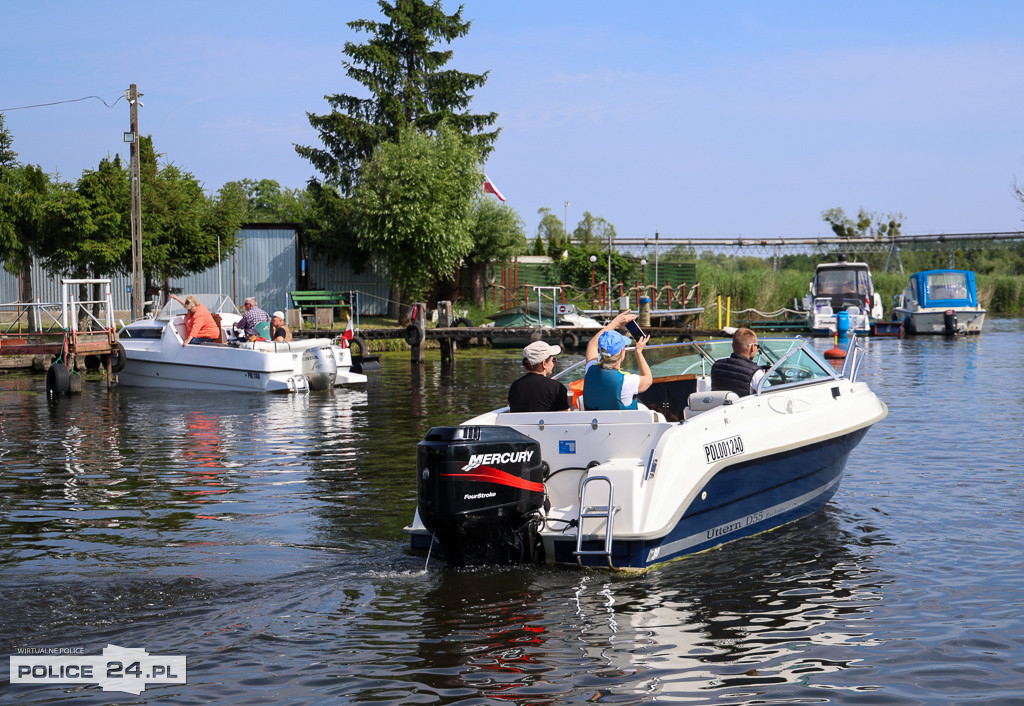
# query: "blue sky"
[[695, 119]]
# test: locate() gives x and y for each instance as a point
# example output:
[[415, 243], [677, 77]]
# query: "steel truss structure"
[[650, 248]]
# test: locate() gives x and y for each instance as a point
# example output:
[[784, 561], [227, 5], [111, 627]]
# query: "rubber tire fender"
[[58, 381], [358, 343], [413, 335], [569, 341], [118, 362], [462, 321]]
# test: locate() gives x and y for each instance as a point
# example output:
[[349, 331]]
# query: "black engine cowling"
[[479, 490], [949, 322]]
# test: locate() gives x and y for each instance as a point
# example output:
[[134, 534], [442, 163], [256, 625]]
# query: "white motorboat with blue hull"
[[633, 489], [155, 357], [753, 497]]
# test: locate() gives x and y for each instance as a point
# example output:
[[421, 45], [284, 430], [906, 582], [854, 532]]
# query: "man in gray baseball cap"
[[534, 391]]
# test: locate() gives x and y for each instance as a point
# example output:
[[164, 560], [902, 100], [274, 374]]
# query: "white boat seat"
[[703, 401]]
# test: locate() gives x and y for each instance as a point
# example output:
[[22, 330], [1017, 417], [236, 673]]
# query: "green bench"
[[309, 301]]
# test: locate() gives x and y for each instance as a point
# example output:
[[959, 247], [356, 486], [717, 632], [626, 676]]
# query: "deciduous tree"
[[413, 204], [867, 225], [552, 232], [593, 231], [497, 234]]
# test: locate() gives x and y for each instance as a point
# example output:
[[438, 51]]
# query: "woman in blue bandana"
[[605, 386]]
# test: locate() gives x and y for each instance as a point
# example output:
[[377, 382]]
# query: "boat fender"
[[117, 363], [462, 321], [413, 335], [58, 381], [569, 341], [357, 346]]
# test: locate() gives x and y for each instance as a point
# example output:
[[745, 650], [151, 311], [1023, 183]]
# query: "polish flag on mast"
[[347, 335], [490, 188]]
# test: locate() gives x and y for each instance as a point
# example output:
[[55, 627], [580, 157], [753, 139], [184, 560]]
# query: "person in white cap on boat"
[[278, 331], [535, 391]]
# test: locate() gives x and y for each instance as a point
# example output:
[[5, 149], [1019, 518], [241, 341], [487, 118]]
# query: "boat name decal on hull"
[[717, 450]]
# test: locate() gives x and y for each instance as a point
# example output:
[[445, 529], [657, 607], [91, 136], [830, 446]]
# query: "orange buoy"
[[836, 352]]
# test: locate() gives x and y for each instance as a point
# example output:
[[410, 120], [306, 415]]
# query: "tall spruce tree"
[[408, 87]]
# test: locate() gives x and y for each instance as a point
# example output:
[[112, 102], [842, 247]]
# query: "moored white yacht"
[[842, 286], [154, 356]]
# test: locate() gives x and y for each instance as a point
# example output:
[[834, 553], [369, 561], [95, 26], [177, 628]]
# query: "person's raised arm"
[[646, 378], [592, 346]]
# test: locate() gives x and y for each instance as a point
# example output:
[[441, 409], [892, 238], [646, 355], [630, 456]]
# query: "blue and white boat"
[[942, 302], [689, 470]]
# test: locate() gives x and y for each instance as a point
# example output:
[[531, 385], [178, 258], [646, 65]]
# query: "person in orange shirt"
[[199, 324]]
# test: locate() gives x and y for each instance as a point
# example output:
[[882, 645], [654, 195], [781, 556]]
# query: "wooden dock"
[[58, 337]]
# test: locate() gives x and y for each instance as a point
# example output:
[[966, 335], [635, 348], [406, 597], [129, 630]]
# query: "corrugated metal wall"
[[373, 285], [266, 266], [263, 267]]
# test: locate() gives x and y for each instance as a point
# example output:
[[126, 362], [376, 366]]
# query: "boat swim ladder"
[[596, 512]]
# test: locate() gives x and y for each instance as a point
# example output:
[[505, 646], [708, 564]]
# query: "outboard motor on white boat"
[[319, 367], [479, 491], [949, 322]]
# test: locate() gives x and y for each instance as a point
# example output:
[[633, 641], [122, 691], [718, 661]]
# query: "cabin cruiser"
[[940, 301], [154, 356], [688, 470], [842, 286]]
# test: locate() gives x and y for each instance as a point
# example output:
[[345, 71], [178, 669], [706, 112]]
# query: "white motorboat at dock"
[[155, 357], [688, 470]]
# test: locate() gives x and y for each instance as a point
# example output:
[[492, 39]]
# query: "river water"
[[260, 537]]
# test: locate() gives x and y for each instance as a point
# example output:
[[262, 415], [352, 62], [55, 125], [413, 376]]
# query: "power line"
[[73, 100]]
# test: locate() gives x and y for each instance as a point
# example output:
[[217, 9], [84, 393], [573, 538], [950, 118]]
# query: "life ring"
[[569, 341], [413, 335], [462, 321], [58, 382], [357, 346], [118, 362]]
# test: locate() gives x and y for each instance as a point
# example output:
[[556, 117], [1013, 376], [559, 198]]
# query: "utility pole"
[[138, 278]]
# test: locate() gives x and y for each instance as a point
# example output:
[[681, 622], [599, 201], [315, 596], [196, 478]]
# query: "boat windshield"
[[216, 303], [946, 286], [842, 281], [788, 361]]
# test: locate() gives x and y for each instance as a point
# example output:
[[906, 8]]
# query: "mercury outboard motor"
[[949, 322], [480, 489]]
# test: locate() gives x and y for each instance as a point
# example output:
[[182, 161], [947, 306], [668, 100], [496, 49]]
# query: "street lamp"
[[643, 280], [609, 273], [593, 277], [655, 261]]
